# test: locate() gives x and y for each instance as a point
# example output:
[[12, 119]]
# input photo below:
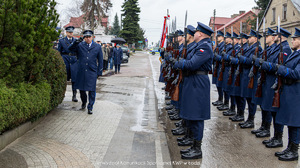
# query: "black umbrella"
[[118, 40]]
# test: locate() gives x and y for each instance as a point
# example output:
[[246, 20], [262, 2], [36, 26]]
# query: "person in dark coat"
[[264, 129], [270, 67], [195, 105], [288, 112], [69, 58], [236, 91], [90, 66], [221, 45], [118, 56], [247, 61]]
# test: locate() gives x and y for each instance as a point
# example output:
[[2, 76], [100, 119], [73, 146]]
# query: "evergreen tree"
[[262, 6], [115, 30], [130, 22], [27, 29], [94, 11]]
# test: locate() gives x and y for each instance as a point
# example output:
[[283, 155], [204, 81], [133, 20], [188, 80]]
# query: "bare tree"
[[94, 10]]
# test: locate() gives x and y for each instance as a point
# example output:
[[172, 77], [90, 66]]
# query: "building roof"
[[78, 21], [236, 19], [296, 4], [219, 20]]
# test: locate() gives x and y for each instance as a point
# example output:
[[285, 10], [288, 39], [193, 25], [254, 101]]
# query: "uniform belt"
[[288, 81], [189, 73], [246, 66], [69, 54], [227, 64]]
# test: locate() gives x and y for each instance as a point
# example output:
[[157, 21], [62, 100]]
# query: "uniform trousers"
[[197, 127], [92, 97], [294, 134], [117, 68], [277, 127]]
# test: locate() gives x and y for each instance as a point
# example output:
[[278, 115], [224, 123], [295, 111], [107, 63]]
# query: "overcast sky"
[[153, 12]]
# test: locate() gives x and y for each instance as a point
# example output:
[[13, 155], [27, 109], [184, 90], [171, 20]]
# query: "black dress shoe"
[[237, 118], [163, 88], [167, 97], [248, 124], [217, 103], [90, 112], [172, 112], [83, 106], [178, 124], [276, 141], [179, 139], [175, 117], [169, 107], [179, 132], [74, 99], [223, 107], [262, 134], [277, 154], [260, 129], [175, 129], [229, 113], [186, 142], [291, 154], [194, 153], [168, 103]]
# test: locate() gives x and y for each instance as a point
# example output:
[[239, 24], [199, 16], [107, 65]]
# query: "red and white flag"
[[163, 43]]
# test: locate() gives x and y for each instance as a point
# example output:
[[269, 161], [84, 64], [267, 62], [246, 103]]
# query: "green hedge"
[[26, 101], [22, 103]]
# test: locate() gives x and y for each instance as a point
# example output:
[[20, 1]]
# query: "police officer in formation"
[[90, 66], [69, 58], [247, 56]]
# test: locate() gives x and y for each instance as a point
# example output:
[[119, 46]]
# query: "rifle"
[[254, 69], [223, 63], [175, 95], [232, 68], [238, 76], [258, 92], [276, 98], [215, 74], [172, 71]]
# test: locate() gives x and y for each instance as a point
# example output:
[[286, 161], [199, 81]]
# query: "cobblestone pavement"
[[130, 128]]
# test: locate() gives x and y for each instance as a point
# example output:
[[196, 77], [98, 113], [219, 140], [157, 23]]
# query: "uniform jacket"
[[118, 56], [195, 102], [270, 67], [90, 64], [236, 90], [227, 67], [70, 61], [288, 112], [215, 79], [246, 62]]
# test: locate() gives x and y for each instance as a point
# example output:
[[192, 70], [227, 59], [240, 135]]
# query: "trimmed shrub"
[[23, 103]]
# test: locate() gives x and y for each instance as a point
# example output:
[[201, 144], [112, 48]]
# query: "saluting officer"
[[246, 62], [270, 67], [288, 113], [69, 58], [268, 92], [221, 45], [90, 66], [195, 105]]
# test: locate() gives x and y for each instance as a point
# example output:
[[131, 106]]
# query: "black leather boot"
[[179, 139], [172, 112], [276, 141], [265, 132], [284, 151], [225, 106], [292, 154], [261, 128], [249, 123], [238, 117], [168, 102], [74, 96], [179, 131], [167, 97], [175, 117], [195, 152], [230, 112]]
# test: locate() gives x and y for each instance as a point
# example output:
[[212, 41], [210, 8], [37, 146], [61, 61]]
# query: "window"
[[274, 15], [244, 27], [284, 10]]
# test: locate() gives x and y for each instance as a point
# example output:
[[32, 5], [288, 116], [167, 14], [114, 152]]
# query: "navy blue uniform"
[[118, 56], [90, 65], [69, 59]]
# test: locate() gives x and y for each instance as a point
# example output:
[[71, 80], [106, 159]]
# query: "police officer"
[[230, 88], [69, 58], [195, 106], [270, 67], [288, 113], [268, 92], [246, 62], [118, 56], [220, 47], [90, 66], [236, 91]]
